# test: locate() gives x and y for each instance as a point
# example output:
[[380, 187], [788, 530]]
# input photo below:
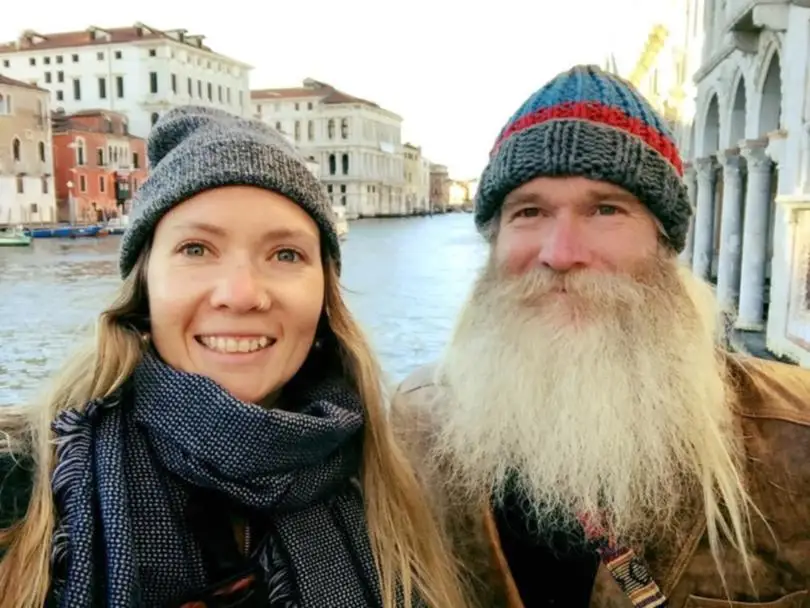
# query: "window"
[[118, 54], [297, 131], [330, 129], [136, 161], [332, 164], [47, 77], [190, 87], [100, 56], [344, 128], [6, 63], [108, 124], [174, 83], [60, 77], [210, 92], [44, 185], [343, 194], [59, 59], [46, 60], [100, 157], [297, 106], [154, 118], [60, 96], [15, 149], [228, 94], [278, 125], [77, 89], [119, 86], [219, 93], [125, 127], [344, 162], [153, 82], [41, 150], [153, 52], [74, 58], [199, 89], [20, 185], [309, 105], [82, 183], [80, 159], [102, 88], [32, 61], [102, 184], [310, 130]]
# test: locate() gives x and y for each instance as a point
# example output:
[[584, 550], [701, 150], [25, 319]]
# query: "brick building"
[[98, 165]]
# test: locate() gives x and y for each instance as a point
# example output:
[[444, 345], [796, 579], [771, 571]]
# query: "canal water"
[[404, 279]]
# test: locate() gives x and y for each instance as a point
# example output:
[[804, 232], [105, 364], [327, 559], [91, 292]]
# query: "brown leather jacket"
[[774, 418]]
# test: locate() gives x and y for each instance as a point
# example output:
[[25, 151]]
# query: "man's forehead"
[[560, 190]]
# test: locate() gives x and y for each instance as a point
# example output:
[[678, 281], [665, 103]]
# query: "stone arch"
[[738, 112], [710, 134], [769, 115]]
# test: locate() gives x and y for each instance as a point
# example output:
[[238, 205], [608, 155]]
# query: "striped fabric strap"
[[627, 569]]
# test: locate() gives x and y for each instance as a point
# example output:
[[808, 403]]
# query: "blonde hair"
[[407, 546]]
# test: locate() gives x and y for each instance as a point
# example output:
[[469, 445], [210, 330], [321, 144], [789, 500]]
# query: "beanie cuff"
[[563, 148], [189, 170]]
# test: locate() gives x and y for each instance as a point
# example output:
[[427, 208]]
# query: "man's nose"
[[563, 249], [241, 289]]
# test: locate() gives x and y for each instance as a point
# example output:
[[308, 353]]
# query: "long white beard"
[[608, 400]]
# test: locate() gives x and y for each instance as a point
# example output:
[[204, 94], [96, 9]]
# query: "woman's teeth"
[[235, 345]]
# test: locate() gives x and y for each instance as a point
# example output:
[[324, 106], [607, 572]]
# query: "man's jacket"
[[773, 417]]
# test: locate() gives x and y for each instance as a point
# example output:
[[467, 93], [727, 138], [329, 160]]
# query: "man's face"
[[574, 223]]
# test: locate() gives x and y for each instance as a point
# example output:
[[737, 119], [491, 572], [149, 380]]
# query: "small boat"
[[341, 225], [14, 237]]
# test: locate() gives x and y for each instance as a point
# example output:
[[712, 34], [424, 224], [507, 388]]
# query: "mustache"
[[537, 286]]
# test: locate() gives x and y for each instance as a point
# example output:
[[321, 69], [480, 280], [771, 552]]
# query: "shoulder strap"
[[627, 568]]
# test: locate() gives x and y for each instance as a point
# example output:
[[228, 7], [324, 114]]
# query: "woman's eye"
[[193, 249], [287, 255]]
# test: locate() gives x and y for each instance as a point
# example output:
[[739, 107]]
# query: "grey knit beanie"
[[589, 123], [192, 149]]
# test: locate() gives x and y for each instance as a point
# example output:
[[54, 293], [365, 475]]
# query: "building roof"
[[30, 40], [10, 82], [312, 89], [61, 122]]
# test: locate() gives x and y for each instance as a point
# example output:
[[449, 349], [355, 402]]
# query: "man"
[[587, 440]]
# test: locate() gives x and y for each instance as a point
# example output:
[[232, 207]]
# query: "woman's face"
[[236, 289]]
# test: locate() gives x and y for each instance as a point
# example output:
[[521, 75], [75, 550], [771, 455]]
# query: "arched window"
[[15, 149]]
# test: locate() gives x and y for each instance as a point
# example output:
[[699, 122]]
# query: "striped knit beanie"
[[589, 123]]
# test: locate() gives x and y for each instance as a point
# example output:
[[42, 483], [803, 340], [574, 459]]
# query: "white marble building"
[[138, 71], [356, 142], [750, 155]]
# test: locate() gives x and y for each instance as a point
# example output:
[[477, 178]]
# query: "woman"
[[223, 442]]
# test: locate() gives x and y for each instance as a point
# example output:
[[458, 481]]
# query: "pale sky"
[[454, 73]]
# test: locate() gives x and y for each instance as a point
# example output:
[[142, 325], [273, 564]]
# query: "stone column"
[[728, 269], [704, 218], [690, 178], [755, 236]]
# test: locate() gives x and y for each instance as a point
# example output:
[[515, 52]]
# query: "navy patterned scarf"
[[126, 465]]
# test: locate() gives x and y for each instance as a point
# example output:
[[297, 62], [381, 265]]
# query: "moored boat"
[[67, 232], [14, 237], [341, 224]]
